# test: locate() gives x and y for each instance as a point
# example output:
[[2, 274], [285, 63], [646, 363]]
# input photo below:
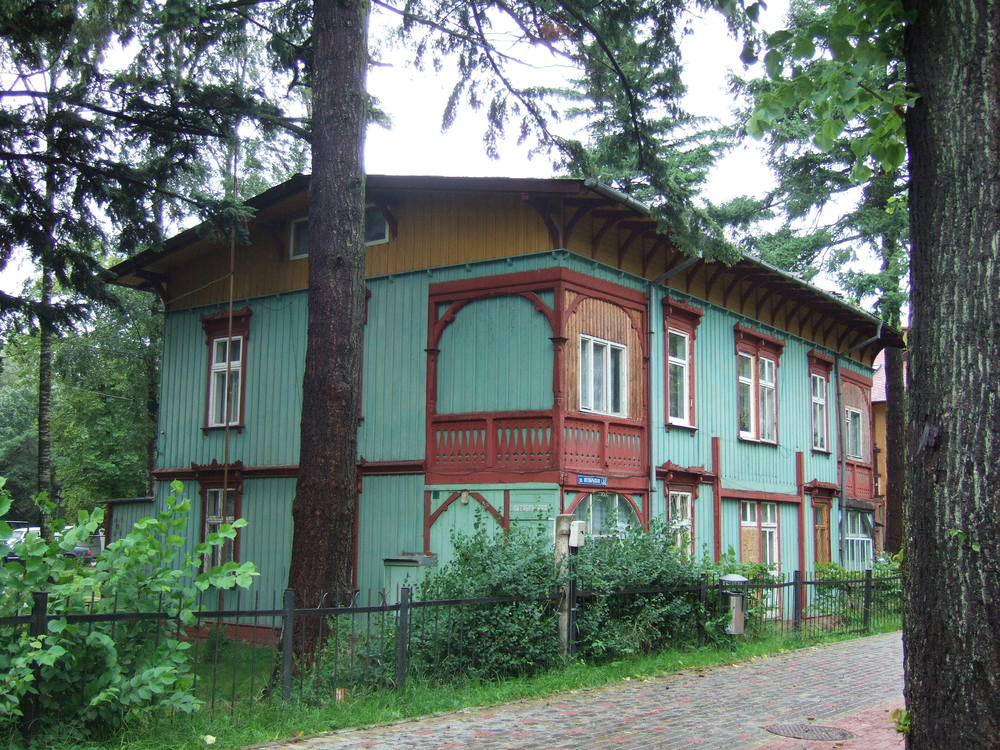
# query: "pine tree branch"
[[159, 125]]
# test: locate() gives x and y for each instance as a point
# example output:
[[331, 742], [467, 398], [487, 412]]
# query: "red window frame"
[[682, 318], [758, 345], [822, 365], [216, 327]]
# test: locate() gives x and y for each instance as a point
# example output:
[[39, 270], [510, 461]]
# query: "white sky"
[[415, 101]]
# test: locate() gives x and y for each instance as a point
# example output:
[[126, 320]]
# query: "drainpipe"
[[843, 437], [650, 285]]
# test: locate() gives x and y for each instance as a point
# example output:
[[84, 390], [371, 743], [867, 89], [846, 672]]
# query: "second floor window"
[[602, 376], [678, 377], [853, 434], [376, 233], [224, 382], [818, 385], [757, 397]]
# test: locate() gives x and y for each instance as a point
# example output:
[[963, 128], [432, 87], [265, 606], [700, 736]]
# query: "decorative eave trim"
[[216, 325], [823, 491], [749, 339], [673, 473], [820, 363]]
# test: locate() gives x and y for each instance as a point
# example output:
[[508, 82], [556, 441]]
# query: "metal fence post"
[[867, 604], [571, 624], [401, 636], [702, 614], [37, 628], [797, 598], [287, 625]]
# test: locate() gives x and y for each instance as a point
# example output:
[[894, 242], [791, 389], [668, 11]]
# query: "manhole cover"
[[809, 732]]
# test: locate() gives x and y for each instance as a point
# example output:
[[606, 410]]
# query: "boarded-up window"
[[759, 532]]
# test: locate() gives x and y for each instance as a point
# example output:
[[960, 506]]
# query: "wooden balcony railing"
[[524, 442], [860, 480]]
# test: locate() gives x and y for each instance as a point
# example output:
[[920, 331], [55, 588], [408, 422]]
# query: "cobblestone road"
[[851, 685]]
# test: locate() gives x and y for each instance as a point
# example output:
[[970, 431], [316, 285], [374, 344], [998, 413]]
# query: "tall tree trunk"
[[952, 562], [895, 455], [45, 336], [326, 493]]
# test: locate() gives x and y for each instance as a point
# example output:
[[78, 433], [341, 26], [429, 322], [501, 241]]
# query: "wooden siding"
[[704, 531], [730, 526], [495, 356], [604, 320], [390, 522]]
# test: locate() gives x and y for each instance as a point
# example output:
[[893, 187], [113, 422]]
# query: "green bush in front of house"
[[91, 677]]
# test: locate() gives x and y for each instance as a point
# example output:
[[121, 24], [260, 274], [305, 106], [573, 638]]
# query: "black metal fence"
[[247, 653]]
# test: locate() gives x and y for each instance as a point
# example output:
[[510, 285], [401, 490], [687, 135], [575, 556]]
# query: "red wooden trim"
[[543, 212], [821, 492], [482, 501], [683, 318], [211, 478], [506, 511], [751, 340], [254, 472], [767, 497], [546, 278], [710, 284], [383, 468], [692, 272], [640, 513], [544, 309], [216, 326], [648, 257], [717, 497], [862, 381], [629, 241], [609, 221], [108, 523]]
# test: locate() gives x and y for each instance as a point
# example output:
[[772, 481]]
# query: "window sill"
[[690, 428], [758, 441], [822, 451], [218, 428]]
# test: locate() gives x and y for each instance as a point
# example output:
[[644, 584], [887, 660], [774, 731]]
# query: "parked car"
[[80, 551]]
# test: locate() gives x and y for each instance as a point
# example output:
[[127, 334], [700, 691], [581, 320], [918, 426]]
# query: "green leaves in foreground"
[[92, 677], [840, 69]]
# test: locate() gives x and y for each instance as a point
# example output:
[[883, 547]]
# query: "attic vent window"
[[376, 233]]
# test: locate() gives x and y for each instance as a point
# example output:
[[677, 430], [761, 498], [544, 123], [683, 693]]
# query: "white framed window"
[[858, 547], [853, 434], [678, 377], [602, 376], [767, 387], [220, 508], [769, 533], [680, 513], [376, 233], [745, 395], [608, 515], [748, 513], [225, 381], [818, 386]]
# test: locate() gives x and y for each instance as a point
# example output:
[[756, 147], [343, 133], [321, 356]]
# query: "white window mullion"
[[746, 395]]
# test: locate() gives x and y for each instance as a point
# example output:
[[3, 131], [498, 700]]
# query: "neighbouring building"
[[532, 346]]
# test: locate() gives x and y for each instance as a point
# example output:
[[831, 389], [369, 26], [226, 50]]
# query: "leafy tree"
[[949, 106], [827, 218]]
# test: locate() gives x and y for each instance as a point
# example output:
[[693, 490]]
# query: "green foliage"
[[489, 640], [612, 626], [105, 402], [92, 677], [844, 66]]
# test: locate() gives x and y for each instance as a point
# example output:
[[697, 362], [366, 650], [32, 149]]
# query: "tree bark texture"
[[324, 507], [952, 561], [45, 335], [895, 457]]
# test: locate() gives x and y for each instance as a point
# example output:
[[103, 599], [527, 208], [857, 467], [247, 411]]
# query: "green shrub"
[[612, 626], [488, 640], [92, 677]]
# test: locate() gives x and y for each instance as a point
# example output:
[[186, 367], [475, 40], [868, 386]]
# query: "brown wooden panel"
[[604, 320], [749, 544]]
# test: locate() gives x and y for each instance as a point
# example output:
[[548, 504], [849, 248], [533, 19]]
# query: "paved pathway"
[[852, 685]]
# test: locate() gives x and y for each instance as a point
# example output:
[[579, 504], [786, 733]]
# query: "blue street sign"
[[594, 481]]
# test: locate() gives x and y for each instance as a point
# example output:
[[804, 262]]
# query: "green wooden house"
[[532, 347]]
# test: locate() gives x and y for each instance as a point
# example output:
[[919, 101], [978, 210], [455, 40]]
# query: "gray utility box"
[[734, 596], [405, 570]]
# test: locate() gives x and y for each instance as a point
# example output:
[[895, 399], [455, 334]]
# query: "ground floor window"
[[680, 514], [608, 515], [220, 508], [759, 532], [858, 547]]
